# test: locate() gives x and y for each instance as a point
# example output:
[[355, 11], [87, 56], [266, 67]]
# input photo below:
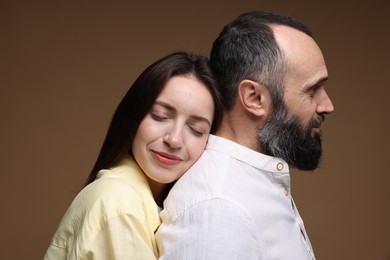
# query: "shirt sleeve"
[[212, 229], [110, 225], [120, 237]]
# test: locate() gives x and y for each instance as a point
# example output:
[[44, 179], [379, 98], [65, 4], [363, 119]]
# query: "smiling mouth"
[[167, 159]]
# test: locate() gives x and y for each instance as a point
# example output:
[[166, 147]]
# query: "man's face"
[[292, 131], [285, 136]]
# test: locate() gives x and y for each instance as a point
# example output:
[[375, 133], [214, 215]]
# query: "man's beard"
[[283, 136]]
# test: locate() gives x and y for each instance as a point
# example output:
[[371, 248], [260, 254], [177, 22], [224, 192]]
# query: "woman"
[[158, 131]]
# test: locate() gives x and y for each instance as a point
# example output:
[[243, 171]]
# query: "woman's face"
[[174, 133]]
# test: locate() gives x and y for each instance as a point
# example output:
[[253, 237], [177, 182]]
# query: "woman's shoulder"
[[110, 191], [101, 201]]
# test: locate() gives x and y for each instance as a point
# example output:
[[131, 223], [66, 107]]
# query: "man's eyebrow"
[[316, 84], [321, 81]]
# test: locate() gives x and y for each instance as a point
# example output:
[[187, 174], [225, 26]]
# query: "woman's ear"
[[254, 97]]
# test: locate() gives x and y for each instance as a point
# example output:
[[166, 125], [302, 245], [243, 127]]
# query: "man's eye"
[[312, 91], [316, 88]]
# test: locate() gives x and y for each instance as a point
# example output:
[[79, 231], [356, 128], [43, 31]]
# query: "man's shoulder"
[[210, 168], [203, 181]]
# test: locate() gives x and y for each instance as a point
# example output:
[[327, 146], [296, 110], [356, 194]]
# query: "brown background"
[[66, 64]]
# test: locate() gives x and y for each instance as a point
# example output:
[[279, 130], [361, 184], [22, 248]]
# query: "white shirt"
[[234, 203]]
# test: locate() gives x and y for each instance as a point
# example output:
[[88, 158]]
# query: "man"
[[235, 202]]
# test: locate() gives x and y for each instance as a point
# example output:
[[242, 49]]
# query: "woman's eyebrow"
[[165, 105], [200, 118]]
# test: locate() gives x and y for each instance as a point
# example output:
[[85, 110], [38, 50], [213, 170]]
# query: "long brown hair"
[[140, 98]]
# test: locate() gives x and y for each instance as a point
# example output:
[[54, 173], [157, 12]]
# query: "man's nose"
[[325, 105]]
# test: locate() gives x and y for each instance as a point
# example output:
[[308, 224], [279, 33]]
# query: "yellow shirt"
[[114, 217]]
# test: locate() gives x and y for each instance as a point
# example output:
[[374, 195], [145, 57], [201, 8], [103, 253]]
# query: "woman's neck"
[[159, 190]]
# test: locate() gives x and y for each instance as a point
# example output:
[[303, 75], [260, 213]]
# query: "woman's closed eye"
[[199, 128], [159, 117], [196, 131]]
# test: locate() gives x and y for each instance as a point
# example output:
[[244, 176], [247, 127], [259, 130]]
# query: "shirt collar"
[[128, 169], [277, 167]]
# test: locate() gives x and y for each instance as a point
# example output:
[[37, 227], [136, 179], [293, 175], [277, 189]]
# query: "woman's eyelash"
[[158, 117], [196, 132]]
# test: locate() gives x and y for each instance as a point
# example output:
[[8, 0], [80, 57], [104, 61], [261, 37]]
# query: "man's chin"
[[316, 131], [306, 167], [308, 163]]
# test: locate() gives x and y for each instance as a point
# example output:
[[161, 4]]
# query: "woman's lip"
[[166, 158]]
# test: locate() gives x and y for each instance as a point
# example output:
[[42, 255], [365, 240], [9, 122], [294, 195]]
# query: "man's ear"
[[254, 97]]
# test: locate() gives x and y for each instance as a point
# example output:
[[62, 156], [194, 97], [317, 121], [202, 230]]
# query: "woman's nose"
[[174, 137]]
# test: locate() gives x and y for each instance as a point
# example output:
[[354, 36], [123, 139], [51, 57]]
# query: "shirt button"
[[280, 166]]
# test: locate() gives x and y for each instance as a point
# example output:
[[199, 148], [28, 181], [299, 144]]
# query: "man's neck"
[[235, 128]]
